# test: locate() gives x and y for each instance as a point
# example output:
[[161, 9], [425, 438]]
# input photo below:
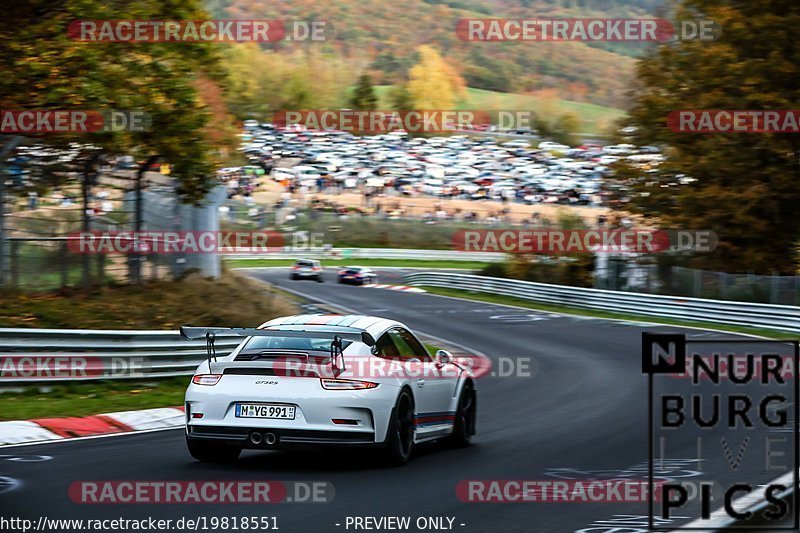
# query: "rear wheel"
[[464, 427], [212, 452], [400, 439]]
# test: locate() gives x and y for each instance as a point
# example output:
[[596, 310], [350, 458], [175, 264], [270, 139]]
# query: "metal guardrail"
[[373, 253], [781, 317], [105, 354]]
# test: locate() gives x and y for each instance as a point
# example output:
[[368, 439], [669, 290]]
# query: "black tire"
[[466, 416], [400, 437], [212, 452], [320, 280], [293, 277]]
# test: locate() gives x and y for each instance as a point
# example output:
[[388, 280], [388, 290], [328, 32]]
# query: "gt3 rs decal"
[[435, 419]]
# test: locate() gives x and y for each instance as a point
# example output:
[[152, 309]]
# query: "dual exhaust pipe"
[[269, 439]]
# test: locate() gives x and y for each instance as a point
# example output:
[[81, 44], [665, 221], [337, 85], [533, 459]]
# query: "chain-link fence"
[[40, 246], [625, 274], [48, 263]]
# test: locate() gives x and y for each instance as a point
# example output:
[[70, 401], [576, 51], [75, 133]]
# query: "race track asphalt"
[[582, 412]]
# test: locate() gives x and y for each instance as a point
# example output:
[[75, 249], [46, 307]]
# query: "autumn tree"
[[43, 68], [433, 84], [743, 186]]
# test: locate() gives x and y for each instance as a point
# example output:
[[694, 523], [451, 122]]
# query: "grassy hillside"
[[594, 118]]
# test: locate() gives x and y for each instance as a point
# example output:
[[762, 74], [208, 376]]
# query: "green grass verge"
[[255, 263], [518, 302], [91, 397]]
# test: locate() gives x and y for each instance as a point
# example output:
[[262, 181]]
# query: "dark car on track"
[[357, 276]]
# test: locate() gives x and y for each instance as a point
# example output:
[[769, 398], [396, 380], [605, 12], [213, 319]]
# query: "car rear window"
[[304, 263], [290, 343]]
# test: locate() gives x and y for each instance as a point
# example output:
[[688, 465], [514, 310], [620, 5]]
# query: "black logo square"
[[663, 353]]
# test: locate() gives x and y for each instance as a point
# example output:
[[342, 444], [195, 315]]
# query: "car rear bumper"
[[243, 437]]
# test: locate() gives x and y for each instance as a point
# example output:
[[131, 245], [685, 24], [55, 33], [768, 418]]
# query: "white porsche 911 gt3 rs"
[[330, 380]]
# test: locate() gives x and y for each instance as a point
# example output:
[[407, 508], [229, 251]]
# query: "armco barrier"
[[781, 317], [117, 354]]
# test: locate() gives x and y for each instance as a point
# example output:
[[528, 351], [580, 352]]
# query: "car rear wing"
[[335, 333], [345, 333]]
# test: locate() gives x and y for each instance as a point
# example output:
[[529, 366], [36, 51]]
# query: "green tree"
[[43, 68], [363, 97], [566, 128], [745, 187], [400, 98]]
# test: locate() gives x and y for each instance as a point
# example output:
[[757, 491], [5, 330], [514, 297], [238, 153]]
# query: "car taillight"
[[295, 267], [346, 384], [316, 269], [342, 272], [206, 379]]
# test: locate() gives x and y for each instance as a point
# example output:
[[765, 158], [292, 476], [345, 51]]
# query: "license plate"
[[347, 277], [265, 410]]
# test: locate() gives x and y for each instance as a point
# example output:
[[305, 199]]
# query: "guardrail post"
[[697, 284], [15, 264], [101, 270], [62, 260], [774, 290], [138, 220], [7, 148]]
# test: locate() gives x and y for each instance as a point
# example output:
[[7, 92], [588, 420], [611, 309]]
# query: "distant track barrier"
[[778, 317]]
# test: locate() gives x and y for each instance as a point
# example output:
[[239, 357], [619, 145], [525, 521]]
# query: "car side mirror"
[[443, 357]]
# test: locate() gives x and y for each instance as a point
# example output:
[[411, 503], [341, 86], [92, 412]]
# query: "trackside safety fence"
[[53, 355], [779, 317]]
